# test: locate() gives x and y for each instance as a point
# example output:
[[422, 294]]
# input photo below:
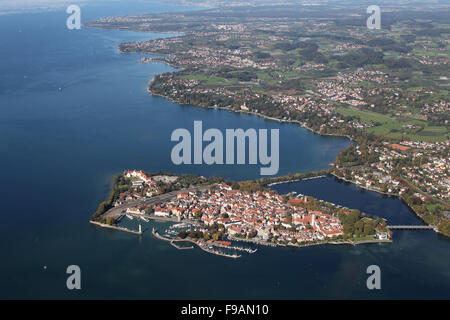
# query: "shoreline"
[[267, 244], [352, 140], [301, 124], [361, 187], [398, 196]]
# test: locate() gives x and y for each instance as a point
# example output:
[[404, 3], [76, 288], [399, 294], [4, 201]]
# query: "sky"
[[24, 6], [19, 6]]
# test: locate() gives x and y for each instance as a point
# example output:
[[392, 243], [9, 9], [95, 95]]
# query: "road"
[[166, 197]]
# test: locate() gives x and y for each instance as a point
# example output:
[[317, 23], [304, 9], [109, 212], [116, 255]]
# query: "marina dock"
[[203, 247]]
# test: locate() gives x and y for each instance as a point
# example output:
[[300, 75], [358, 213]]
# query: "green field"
[[211, 80], [430, 53], [367, 117], [393, 127]]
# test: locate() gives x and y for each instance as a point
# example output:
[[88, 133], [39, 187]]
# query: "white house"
[[160, 212]]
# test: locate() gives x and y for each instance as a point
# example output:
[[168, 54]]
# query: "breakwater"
[[108, 226]]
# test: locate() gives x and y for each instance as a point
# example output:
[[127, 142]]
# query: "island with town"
[[213, 213], [321, 67]]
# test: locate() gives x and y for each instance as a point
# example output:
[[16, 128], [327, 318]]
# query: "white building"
[[162, 212]]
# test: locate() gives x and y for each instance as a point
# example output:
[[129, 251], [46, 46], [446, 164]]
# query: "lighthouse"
[[140, 228]]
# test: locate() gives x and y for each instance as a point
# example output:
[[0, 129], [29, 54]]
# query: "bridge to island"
[[410, 227]]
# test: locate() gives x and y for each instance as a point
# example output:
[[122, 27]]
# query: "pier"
[[409, 227], [108, 226], [295, 180]]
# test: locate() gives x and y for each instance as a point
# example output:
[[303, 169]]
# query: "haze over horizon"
[[21, 6]]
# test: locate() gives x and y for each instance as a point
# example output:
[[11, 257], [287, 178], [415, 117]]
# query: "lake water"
[[60, 149]]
